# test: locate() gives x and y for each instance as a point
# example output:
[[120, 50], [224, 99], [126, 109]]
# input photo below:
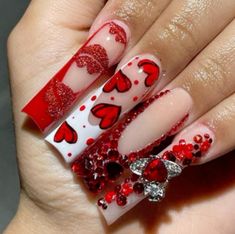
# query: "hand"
[[45, 39]]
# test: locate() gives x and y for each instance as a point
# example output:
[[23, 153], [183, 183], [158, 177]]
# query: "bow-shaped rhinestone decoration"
[[155, 174]]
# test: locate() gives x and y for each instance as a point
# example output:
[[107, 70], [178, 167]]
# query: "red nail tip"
[[56, 98]]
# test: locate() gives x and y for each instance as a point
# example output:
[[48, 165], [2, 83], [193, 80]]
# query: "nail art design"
[[67, 133], [151, 175], [119, 81], [102, 163], [102, 50], [117, 96], [108, 113]]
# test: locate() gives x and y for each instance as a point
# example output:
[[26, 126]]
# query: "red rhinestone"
[[177, 148], [121, 200], [132, 157], [100, 202], [138, 188], [188, 154], [82, 167], [205, 146], [126, 189], [182, 142], [117, 188], [113, 155], [134, 177], [155, 171], [110, 196], [206, 135], [95, 185], [127, 180], [114, 144], [169, 155], [180, 156], [197, 138], [189, 147]]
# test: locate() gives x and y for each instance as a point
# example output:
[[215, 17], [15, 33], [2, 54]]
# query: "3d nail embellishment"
[[155, 173], [106, 163], [124, 90], [102, 50], [152, 174]]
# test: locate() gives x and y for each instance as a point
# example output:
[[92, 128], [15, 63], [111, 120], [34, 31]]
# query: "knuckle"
[[215, 75], [180, 32]]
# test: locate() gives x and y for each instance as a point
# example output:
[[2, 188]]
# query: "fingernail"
[[108, 104], [106, 163], [188, 147], [191, 145], [102, 50], [156, 120]]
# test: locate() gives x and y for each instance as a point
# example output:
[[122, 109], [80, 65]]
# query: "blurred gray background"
[[10, 12]]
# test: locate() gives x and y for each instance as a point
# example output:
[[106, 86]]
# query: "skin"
[[51, 198]]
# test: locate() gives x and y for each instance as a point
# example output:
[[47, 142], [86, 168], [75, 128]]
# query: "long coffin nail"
[[102, 50], [106, 106], [153, 173], [103, 162]]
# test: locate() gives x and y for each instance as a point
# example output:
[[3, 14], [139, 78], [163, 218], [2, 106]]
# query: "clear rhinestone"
[[138, 166], [173, 168], [154, 191]]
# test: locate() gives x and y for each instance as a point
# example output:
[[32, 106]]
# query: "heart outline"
[[67, 133], [108, 114], [151, 69], [119, 81]]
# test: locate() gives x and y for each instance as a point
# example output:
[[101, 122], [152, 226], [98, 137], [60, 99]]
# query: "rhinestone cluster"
[[101, 163], [186, 153]]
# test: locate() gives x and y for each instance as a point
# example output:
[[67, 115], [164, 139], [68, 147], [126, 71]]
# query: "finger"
[[112, 104], [181, 32], [72, 14], [202, 141], [207, 81], [208, 78], [138, 15], [102, 50]]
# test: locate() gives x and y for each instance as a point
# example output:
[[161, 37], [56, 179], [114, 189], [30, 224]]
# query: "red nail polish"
[[102, 50]]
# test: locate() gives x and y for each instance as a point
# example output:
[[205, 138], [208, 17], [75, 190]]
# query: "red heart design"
[[152, 69], [108, 114], [119, 81], [119, 32], [67, 133]]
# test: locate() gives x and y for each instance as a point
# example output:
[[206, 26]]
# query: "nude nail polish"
[[102, 50], [108, 104]]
